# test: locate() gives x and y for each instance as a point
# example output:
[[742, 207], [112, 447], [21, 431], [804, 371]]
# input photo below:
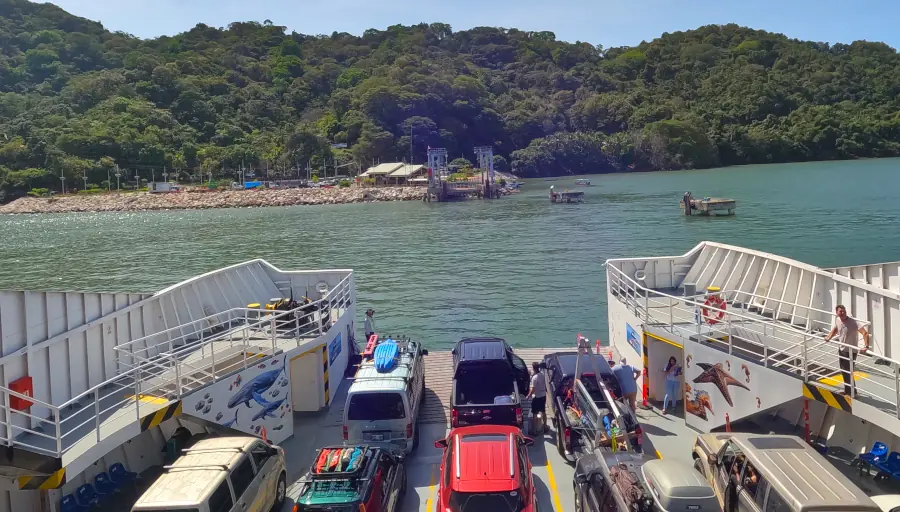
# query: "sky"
[[607, 22]]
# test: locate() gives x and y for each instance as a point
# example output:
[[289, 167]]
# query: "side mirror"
[[440, 443], [527, 441], [712, 459]]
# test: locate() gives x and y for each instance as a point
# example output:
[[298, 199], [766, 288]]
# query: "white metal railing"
[[770, 342], [185, 361]]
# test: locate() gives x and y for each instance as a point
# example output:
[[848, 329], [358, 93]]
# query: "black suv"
[[489, 381]]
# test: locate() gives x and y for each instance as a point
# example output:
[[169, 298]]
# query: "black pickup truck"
[[489, 381], [563, 399]]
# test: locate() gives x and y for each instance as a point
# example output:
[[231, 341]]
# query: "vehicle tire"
[[280, 492], [403, 486], [560, 446], [698, 465]]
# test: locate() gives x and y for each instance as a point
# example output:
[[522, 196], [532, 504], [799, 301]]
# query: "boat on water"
[[583, 182], [514, 185], [566, 196], [242, 348], [707, 206]]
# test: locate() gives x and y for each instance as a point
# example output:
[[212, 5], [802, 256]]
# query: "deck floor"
[[552, 475]]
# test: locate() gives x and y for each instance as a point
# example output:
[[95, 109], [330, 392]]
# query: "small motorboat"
[[583, 182], [566, 196]]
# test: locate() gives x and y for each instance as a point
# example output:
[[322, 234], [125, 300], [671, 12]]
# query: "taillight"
[[296, 508], [567, 437], [409, 430], [454, 418], [639, 433], [346, 435], [519, 416]]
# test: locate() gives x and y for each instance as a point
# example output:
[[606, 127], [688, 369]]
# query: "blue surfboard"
[[386, 355]]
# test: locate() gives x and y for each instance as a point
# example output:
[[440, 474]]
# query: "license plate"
[[377, 437]]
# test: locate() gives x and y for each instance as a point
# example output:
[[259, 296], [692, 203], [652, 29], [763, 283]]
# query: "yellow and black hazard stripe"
[[54, 480], [325, 371], [828, 397], [154, 419]]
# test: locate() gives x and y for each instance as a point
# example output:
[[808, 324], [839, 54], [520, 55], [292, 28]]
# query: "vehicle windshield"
[[507, 501], [375, 407]]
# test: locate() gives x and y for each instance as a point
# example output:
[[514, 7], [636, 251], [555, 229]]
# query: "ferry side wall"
[[626, 334]]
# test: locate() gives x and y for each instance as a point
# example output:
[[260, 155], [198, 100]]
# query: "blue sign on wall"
[[334, 349], [633, 339]]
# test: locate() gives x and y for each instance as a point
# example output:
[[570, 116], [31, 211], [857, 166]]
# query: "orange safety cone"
[[727, 423], [264, 437], [610, 355], [598, 347]]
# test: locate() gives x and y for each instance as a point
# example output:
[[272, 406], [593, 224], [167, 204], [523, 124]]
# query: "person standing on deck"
[[672, 385], [370, 323], [538, 393], [846, 328], [627, 376]]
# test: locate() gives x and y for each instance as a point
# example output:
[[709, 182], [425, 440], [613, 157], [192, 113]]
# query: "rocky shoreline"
[[143, 201]]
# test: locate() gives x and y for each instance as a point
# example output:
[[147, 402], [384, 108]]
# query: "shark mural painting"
[[254, 401]]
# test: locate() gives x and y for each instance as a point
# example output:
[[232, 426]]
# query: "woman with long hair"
[[672, 385]]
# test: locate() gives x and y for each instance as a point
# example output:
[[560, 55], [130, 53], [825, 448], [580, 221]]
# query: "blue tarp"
[[252, 184]]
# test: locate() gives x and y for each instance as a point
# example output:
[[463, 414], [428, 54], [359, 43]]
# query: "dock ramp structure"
[[88, 380], [749, 327]]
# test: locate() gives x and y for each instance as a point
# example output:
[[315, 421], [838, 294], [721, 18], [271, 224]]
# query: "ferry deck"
[[93, 380]]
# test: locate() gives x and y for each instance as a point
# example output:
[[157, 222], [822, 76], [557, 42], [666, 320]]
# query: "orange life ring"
[[714, 316]]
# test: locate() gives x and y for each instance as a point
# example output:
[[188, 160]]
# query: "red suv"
[[486, 467]]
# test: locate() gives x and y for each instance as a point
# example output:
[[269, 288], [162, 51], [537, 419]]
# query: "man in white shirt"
[[370, 323], [846, 330], [538, 393]]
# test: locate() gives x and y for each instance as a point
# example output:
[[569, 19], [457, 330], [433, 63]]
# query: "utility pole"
[[410, 144], [118, 175], [137, 180], [62, 180], [108, 180], [84, 177]]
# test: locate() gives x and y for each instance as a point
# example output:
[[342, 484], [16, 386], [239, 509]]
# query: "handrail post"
[[272, 335], [896, 389], [97, 411], [213, 352], [805, 358], [852, 373], [137, 392], [9, 421], [177, 379], [646, 295], [58, 431], [728, 331], [319, 317]]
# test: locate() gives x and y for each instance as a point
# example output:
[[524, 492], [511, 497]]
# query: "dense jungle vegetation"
[[78, 99]]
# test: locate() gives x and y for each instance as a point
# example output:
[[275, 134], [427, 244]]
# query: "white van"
[[220, 474], [382, 407]]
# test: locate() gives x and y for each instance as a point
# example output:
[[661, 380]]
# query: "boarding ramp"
[[155, 371], [771, 317]]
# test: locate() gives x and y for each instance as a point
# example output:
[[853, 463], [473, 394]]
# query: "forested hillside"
[[76, 98]]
